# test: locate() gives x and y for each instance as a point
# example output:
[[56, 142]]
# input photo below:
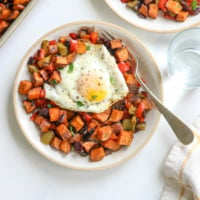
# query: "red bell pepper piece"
[[86, 117], [40, 103], [126, 115], [52, 42], [123, 67], [42, 93], [73, 45], [125, 1], [33, 116], [73, 36], [167, 16], [128, 104], [161, 5], [94, 36], [140, 110]]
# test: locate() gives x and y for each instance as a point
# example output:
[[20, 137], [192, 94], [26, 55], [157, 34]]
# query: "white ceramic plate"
[[150, 73], [160, 24]]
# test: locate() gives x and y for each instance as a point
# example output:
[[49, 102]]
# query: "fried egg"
[[92, 83]]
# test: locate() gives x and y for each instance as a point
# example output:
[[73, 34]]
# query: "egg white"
[[97, 63]]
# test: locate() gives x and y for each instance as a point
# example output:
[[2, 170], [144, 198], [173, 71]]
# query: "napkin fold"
[[182, 169]]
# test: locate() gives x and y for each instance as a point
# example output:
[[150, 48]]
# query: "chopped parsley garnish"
[[79, 104], [54, 82], [112, 80], [94, 97], [71, 68], [194, 5], [71, 130], [88, 48], [49, 105], [60, 68]]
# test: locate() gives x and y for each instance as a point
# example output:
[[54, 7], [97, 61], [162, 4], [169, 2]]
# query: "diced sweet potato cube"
[[94, 135], [65, 147], [104, 133], [77, 122], [29, 106], [3, 25], [4, 14], [76, 138], [81, 47], [55, 78], [38, 119], [93, 124], [61, 61], [173, 6], [122, 54], [14, 14], [70, 114], [153, 11], [37, 79], [125, 138], [130, 79], [63, 131], [20, 2], [97, 154], [44, 74], [102, 117], [115, 44], [182, 16], [143, 10], [111, 144], [54, 114], [114, 136], [44, 125], [18, 7], [70, 57], [88, 145], [116, 115], [34, 93], [55, 142], [24, 87]]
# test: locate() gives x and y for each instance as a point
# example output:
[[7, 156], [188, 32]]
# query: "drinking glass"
[[184, 57]]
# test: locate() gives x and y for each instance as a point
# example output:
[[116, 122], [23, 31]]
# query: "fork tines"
[[108, 35]]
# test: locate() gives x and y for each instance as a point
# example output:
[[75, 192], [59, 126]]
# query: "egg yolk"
[[92, 88], [96, 95]]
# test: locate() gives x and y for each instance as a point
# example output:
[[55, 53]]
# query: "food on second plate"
[[9, 11], [83, 94], [178, 10]]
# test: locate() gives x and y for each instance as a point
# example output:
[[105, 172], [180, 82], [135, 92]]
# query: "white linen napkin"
[[182, 169]]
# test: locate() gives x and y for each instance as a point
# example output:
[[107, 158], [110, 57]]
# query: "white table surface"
[[25, 174]]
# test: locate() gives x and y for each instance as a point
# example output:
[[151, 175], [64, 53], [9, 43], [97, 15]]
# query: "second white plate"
[[160, 24]]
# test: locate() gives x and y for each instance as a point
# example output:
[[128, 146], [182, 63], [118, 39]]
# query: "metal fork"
[[183, 132]]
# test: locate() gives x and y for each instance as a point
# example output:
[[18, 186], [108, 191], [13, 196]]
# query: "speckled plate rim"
[[15, 94], [123, 16]]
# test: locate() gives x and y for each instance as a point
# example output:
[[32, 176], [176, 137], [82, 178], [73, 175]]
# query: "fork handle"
[[182, 131]]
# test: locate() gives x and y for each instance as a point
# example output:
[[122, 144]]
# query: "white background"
[[25, 174]]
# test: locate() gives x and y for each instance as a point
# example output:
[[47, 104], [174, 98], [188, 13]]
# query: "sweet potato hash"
[[89, 134], [9, 11], [178, 10]]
